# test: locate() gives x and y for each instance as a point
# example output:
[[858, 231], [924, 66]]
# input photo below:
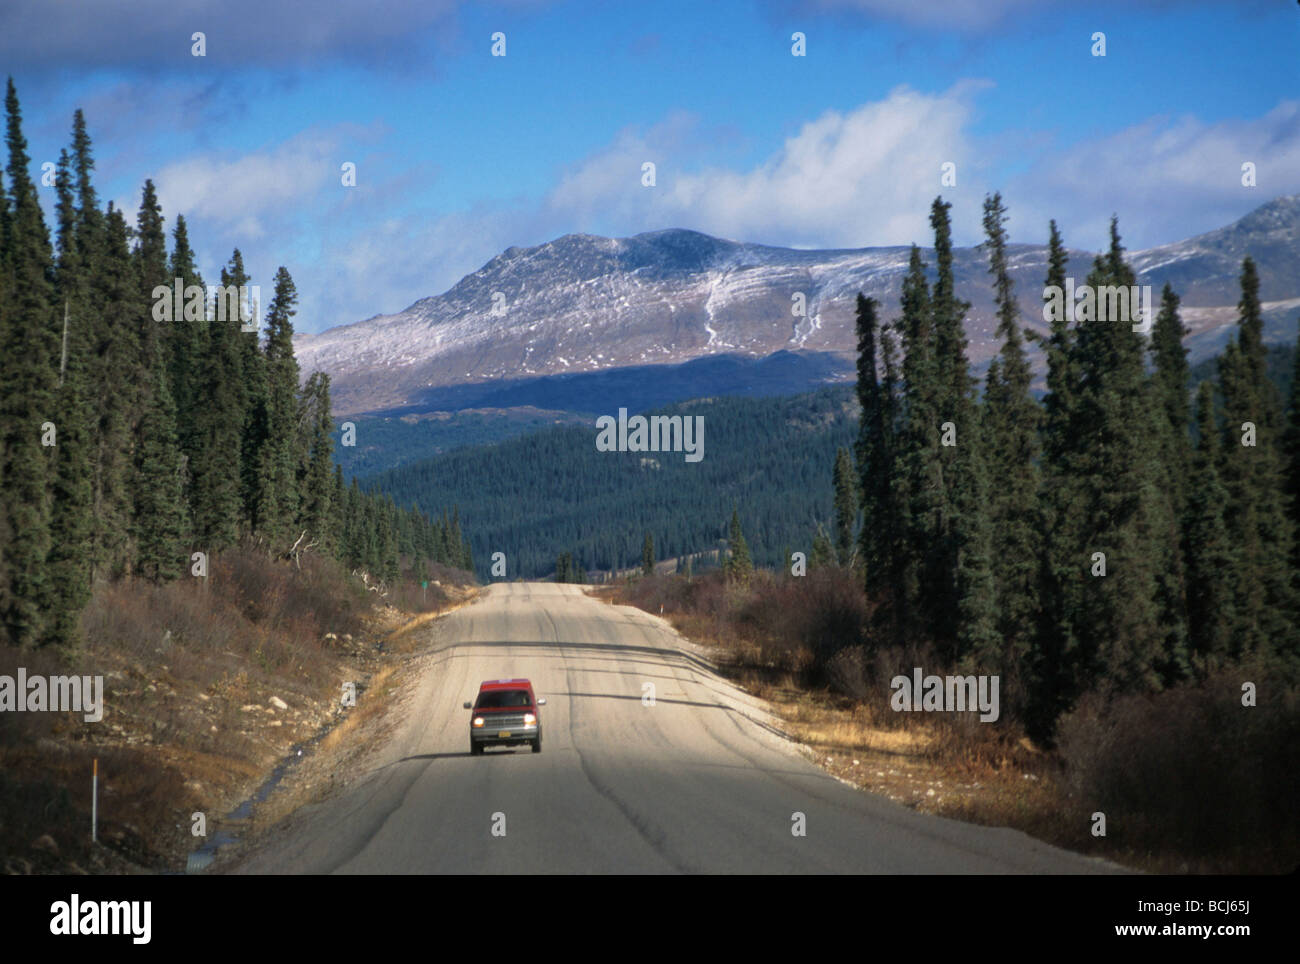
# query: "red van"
[[505, 714]]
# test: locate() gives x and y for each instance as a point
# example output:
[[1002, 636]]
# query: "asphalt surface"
[[697, 783]]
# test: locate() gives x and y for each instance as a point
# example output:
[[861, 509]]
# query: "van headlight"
[[478, 721], [529, 719]]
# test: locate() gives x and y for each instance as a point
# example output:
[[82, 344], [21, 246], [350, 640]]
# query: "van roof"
[[504, 684]]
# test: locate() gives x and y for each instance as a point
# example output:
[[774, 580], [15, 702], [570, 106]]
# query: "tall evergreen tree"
[[1060, 576], [965, 543], [739, 566], [1167, 389], [1012, 420], [217, 430], [277, 504], [648, 555], [919, 578], [116, 296], [27, 399], [160, 519], [1211, 562], [1169, 383], [1125, 638], [1253, 477], [876, 457], [846, 505], [69, 561], [318, 484], [187, 347]]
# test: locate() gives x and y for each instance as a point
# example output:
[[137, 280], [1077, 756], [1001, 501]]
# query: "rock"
[[204, 697], [46, 843], [249, 708], [278, 703], [276, 723]]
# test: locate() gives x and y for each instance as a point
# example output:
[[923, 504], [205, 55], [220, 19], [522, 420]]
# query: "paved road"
[[696, 783]]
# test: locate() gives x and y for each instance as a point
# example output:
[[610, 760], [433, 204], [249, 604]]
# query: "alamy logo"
[[1130, 304], [72, 917], [58, 694], [182, 302], [938, 694], [658, 433]]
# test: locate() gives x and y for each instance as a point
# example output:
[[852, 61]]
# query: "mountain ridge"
[[587, 303]]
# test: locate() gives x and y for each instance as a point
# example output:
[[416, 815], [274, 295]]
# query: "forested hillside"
[[144, 434], [535, 497], [387, 441]]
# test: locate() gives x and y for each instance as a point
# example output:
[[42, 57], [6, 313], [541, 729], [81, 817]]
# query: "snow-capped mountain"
[[583, 304]]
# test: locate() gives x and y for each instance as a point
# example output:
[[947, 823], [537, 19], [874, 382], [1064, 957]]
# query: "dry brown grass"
[[189, 673]]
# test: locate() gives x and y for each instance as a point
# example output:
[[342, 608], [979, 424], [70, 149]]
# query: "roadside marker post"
[[94, 801]]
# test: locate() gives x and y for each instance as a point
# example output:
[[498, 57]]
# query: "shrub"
[[1191, 769]]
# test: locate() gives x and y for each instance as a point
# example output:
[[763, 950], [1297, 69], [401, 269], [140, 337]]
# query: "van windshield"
[[495, 699]]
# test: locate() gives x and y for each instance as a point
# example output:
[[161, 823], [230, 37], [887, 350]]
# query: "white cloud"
[[1166, 178], [240, 193], [862, 177]]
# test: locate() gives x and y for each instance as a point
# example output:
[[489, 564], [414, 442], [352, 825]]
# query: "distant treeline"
[[128, 444]]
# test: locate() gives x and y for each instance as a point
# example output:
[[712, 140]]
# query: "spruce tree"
[[1012, 420], [160, 518], [876, 457], [1127, 638], [919, 579], [965, 548], [277, 472], [27, 399], [318, 483], [1253, 477], [218, 426], [1169, 383], [250, 388], [1211, 559], [739, 567], [1167, 389], [1060, 577], [69, 560], [648, 555], [187, 347], [116, 296], [846, 505]]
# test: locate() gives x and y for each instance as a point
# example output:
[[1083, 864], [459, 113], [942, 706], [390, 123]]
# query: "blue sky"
[[461, 154]]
